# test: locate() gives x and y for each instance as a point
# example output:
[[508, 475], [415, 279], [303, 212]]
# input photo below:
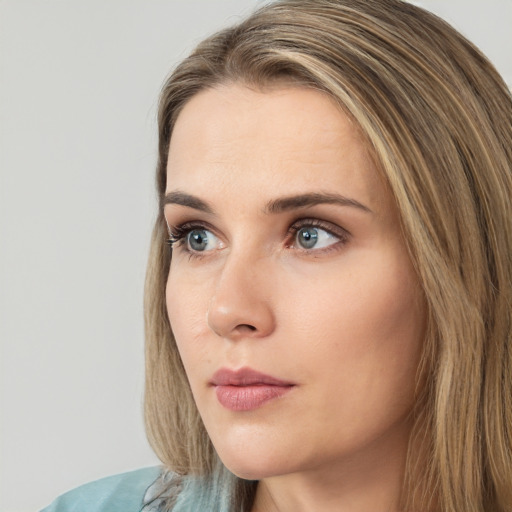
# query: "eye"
[[194, 239], [198, 239], [314, 238], [314, 235], [201, 240]]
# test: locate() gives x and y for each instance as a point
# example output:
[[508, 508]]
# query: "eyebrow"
[[274, 206], [188, 200], [307, 200]]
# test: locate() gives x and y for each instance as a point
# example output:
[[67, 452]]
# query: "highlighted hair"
[[437, 118]]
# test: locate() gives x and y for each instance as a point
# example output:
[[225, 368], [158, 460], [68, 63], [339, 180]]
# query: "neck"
[[370, 480]]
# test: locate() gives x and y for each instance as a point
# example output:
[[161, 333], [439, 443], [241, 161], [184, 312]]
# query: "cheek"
[[364, 325], [187, 304]]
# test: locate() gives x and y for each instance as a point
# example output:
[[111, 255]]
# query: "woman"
[[328, 303]]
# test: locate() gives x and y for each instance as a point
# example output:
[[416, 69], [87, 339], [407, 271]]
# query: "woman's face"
[[291, 295]]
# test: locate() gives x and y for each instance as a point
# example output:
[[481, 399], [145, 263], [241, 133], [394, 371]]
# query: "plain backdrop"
[[79, 82]]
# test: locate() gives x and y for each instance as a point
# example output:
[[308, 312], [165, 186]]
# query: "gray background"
[[79, 82]]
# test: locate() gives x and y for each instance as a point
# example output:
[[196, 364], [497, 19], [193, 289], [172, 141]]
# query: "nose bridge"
[[240, 306]]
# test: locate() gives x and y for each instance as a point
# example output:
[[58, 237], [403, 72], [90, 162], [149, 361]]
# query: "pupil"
[[197, 239], [308, 237]]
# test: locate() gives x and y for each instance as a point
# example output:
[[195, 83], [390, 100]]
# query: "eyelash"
[[178, 234]]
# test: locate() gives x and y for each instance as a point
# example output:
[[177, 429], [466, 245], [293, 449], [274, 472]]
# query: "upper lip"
[[245, 377]]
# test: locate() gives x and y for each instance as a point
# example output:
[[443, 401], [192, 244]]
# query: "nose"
[[241, 307]]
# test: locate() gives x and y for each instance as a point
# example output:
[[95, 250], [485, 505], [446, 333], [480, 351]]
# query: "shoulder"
[[118, 493]]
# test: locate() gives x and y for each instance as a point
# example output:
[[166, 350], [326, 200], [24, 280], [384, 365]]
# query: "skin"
[[343, 320]]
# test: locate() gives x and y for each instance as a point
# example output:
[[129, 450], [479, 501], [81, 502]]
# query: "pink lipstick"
[[246, 389]]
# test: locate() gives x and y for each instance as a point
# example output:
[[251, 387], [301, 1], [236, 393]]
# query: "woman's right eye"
[[197, 239], [201, 240]]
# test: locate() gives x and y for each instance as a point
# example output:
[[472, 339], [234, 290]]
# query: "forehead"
[[285, 139]]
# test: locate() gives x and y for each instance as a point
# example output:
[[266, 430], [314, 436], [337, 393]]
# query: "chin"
[[248, 465], [249, 471]]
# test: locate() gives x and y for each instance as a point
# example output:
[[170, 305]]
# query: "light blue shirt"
[[148, 490], [118, 493]]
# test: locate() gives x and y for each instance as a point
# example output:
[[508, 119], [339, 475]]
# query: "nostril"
[[246, 327]]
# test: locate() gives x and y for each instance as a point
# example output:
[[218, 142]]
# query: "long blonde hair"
[[437, 118]]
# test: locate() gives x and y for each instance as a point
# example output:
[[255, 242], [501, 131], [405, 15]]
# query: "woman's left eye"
[[310, 237]]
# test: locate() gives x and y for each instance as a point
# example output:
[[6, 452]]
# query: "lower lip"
[[247, 398]]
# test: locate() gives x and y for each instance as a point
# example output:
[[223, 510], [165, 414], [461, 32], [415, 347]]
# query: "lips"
[[247, 389]]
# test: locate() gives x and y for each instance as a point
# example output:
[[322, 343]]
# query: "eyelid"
[[180, 228], [329, 227]]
